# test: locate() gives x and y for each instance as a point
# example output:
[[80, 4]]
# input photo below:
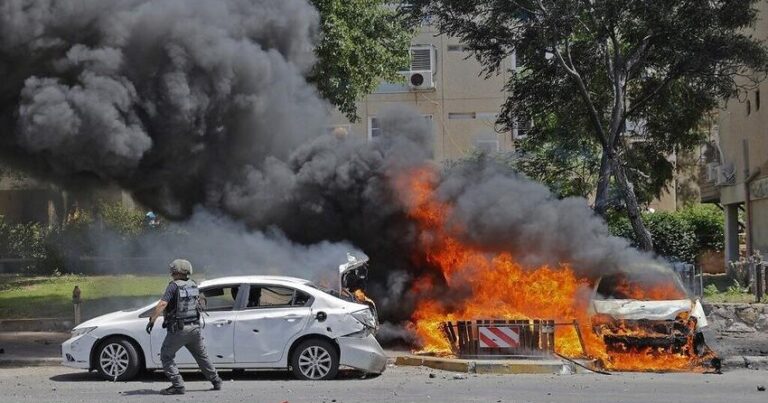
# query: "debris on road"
[[761, 388], [459, 376]]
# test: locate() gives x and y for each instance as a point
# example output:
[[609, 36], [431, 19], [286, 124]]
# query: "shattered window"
[[275, 296]]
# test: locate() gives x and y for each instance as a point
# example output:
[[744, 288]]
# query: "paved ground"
[[398, 384]]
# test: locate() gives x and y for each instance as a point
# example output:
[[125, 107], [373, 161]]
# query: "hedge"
[[678, 236]]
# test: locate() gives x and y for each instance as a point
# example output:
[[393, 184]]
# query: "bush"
[[673, 237], [678, 235], [121, 219], [708, 223]]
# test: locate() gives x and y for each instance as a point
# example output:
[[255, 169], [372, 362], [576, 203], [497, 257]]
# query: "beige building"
[[737, 165], [444, 83]]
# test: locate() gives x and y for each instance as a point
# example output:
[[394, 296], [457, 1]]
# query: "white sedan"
[[265, 322]]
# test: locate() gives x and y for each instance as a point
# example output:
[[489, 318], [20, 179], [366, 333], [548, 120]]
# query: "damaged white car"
[[652, 314], [252, 322]]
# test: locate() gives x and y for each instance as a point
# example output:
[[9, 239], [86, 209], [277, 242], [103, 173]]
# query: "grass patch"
[[721, 288], [51, 297]]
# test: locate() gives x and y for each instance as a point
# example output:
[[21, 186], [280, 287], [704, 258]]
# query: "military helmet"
[[180, 266]]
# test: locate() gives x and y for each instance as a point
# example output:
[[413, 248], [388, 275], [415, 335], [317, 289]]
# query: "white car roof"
[[284, 280]]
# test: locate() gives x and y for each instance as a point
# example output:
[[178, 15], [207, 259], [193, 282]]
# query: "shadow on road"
[[141, 392], [226, 375]]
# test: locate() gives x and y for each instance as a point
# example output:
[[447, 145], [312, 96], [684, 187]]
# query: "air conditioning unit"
[[712, 168], [726, 175], [421, 74]]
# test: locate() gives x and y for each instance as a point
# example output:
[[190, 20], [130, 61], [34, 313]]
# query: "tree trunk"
[[601, 196], [644, 240]]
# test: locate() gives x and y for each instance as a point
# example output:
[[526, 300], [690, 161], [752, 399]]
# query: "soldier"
[[180, 308]]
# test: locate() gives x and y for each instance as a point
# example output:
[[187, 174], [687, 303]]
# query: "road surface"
[[398, 384]]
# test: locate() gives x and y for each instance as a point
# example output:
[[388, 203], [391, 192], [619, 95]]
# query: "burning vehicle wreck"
[[662, 322]]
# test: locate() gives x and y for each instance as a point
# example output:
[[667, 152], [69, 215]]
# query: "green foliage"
[[681, 235], [736, 289], [362, 43], [708, 222], [566, 162], [121, 219], [22, 241], [710, 290], [673, 236], [50, 250]]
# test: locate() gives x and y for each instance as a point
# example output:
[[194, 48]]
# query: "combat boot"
[[216, 384], [173, 390]]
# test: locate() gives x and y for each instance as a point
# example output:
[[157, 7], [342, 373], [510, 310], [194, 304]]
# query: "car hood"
[[631, 309], [110, 318]]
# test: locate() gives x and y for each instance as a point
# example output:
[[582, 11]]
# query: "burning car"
[[649, 317], [260, 322]]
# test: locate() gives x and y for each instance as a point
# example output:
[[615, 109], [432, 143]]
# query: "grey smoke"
[[219, 246], [502, 211]]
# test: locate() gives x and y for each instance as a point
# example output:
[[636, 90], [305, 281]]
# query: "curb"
[[37, 325], [29, 362], [747, 361], [488, 366]]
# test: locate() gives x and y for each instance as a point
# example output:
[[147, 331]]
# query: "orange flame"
[[484, 285]]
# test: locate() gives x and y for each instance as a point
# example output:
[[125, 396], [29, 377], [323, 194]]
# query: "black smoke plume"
[[202, 106]]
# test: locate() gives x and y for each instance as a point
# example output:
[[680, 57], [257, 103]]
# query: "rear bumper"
[[363, 353], [76, 352]]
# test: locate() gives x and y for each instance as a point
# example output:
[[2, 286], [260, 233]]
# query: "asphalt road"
[[398, 384]]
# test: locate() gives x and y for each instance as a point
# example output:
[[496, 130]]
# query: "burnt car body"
[[628, 323]]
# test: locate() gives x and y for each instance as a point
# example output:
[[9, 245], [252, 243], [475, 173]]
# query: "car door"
[[271, 317], [218, 326]]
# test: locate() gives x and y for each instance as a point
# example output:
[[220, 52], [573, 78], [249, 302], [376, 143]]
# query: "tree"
[[624, 66], [362, 43]]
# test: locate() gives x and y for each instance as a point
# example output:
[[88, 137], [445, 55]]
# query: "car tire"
[[315, 359], [117, 360]]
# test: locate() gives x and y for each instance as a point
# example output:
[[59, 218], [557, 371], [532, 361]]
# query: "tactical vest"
[[186, 309]]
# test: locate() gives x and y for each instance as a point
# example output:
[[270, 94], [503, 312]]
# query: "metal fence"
[[691, 276], [751, 272]]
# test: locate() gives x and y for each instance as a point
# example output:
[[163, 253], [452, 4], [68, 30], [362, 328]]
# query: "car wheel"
[[315, 359], [117, 360]]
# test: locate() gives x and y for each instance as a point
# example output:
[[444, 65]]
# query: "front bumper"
[[76, 352], [363, 353]]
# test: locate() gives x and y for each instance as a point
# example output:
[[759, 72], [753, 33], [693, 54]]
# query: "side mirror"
[[321, 316]]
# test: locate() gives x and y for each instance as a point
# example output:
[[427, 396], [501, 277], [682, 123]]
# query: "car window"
[[265, 296], [219, 298]]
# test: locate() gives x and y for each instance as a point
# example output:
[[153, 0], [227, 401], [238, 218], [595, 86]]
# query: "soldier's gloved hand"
[[150, 325]]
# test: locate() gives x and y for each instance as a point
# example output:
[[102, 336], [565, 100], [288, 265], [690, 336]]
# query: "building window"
[[757, 100], [461, 115], [521, 129], [422, 58], [374, 126], [459, 48], [487, 116]]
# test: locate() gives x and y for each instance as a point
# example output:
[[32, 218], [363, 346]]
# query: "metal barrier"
[[691, 276], [496, 338], [752, 272]]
